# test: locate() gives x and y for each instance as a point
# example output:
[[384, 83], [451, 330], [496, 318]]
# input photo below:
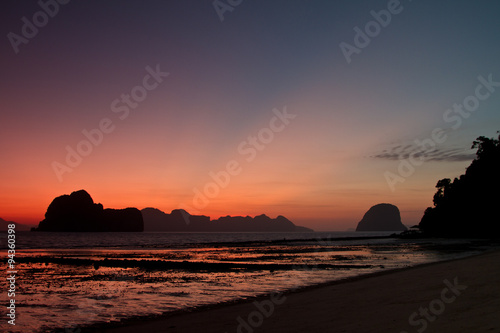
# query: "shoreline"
[[231, 313]]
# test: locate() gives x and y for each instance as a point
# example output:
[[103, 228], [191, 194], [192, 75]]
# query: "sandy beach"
[[455, 296]]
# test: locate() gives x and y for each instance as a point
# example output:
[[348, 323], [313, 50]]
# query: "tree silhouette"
[[468, 206]]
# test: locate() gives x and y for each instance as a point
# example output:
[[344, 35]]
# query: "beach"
[[461, 295], [78, 287], [238, 166]]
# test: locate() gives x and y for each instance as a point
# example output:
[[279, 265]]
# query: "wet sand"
[[455, 296]]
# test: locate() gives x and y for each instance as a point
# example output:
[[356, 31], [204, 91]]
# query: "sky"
[[315, 110]]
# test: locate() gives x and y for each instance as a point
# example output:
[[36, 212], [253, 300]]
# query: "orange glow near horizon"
[[315, 170], [300, 174], [320, 211]]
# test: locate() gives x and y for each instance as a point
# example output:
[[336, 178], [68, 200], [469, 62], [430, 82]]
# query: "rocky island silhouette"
[[381, 217], [78, 212]]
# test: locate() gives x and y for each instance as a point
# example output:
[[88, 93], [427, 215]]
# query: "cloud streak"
[[435, 154]]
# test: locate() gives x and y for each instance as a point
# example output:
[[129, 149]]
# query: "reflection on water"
[[67, 288]]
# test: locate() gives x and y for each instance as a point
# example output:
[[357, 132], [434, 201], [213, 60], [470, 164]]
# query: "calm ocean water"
[[71, 240], [69, 280]]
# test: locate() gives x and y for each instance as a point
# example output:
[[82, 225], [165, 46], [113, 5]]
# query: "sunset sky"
[[267, 92]]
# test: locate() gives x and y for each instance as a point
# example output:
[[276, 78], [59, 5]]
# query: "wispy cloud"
[[436, 154]]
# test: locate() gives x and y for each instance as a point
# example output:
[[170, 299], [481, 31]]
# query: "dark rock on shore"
[[381, 217], [78, 212]]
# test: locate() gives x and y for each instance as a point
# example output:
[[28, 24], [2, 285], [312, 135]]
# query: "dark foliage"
[[468, 206]]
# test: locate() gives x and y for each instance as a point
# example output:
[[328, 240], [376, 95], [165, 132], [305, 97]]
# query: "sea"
[[67, 281]]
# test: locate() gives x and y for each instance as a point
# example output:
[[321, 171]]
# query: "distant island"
[[19, 226], [181, 221], [381, 217], [468, 205], [78, 212]]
